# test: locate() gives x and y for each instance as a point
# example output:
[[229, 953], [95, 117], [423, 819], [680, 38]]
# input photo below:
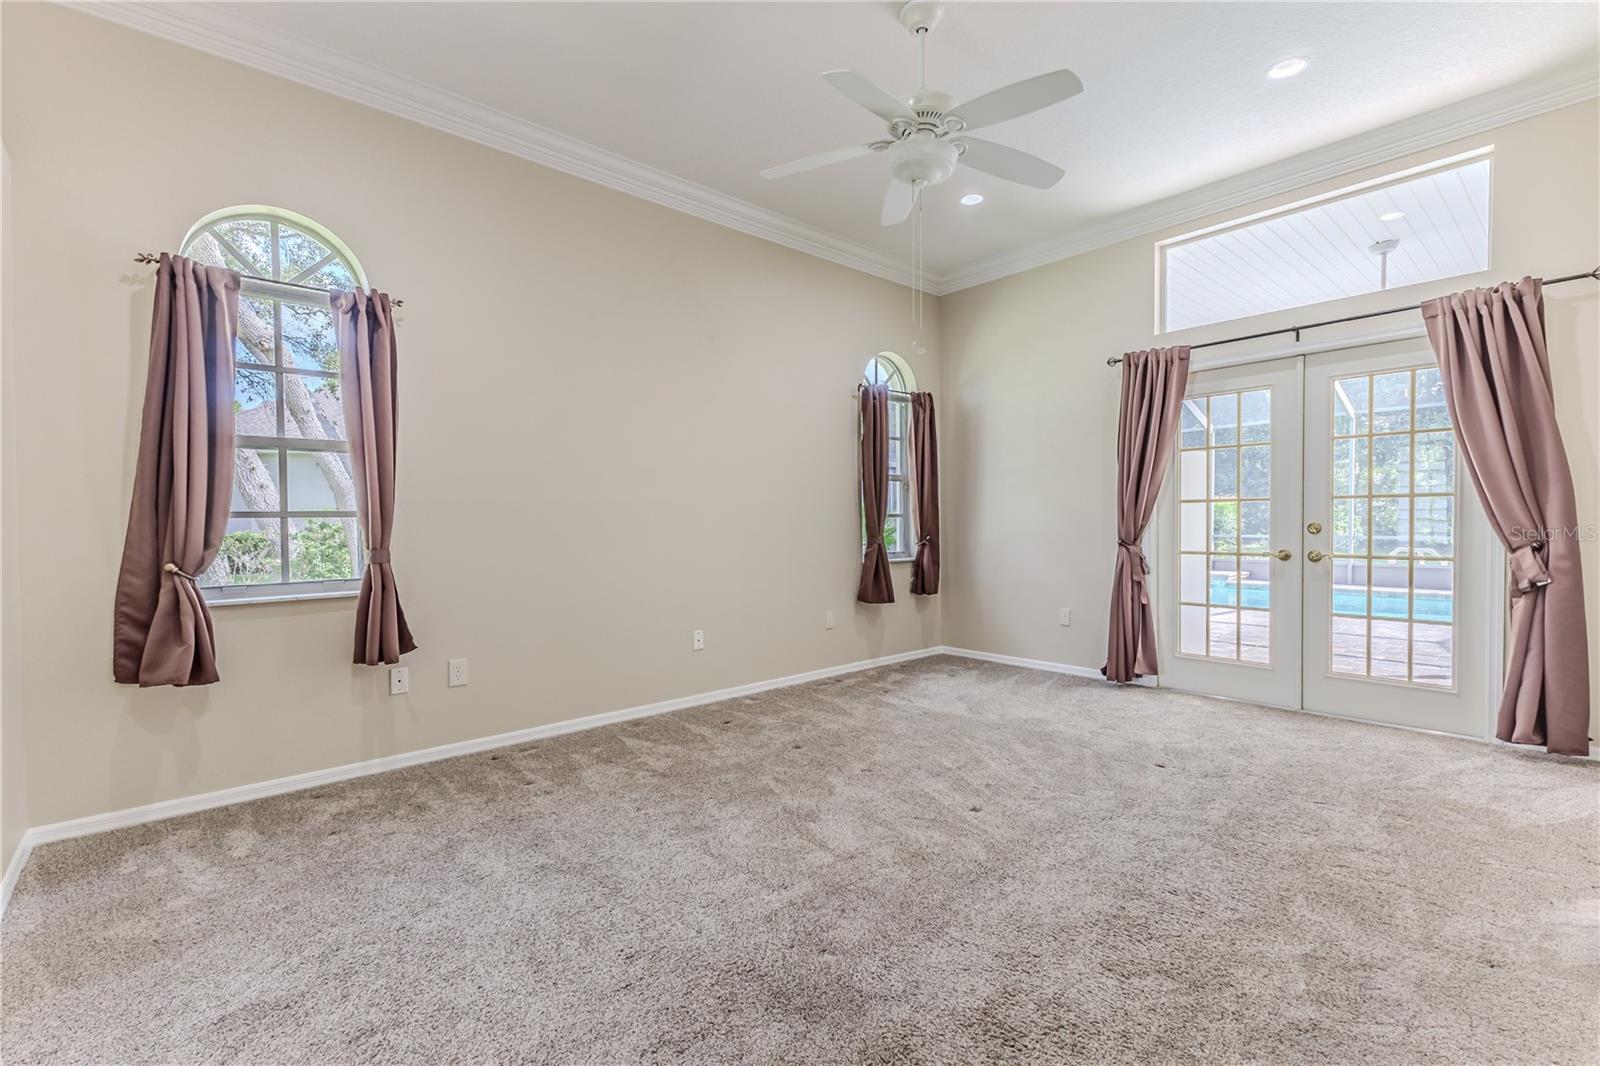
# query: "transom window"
[[292, 527], [886, 368], [1224, 520], [1419, 225]]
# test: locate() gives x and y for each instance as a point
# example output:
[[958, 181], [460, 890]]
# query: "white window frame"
[[889, 369], [1162, 248], [280, 293]]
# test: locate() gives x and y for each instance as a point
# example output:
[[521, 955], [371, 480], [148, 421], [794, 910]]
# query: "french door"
[[1317, 545]]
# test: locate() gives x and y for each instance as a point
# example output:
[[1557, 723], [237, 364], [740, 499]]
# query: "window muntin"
[[1393, 507], [292, 482], [1325, 250], [898, 536], [1224, 521]]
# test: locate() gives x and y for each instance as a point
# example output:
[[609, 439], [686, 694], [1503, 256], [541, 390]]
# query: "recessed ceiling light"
[[972, 199], [1392, 216], [1287, 69]]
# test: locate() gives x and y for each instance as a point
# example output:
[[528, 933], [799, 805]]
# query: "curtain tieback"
[[1134, 549], [925, 540], [172, 568], [1528, 571], [377, 555]]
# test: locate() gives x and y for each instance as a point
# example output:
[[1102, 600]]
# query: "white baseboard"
[[155, 812], [19, 858], [1035, 664]]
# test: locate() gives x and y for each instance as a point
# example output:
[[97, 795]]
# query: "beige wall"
[[1030, 409], [13, 762], [619, 424]]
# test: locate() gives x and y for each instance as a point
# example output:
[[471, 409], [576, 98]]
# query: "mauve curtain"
[[1147, 433], [925, 488], [876, 585], [364, 325], [1490, 344], [182, 482]]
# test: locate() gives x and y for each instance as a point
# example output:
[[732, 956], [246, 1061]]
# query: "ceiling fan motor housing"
[[923, 158]]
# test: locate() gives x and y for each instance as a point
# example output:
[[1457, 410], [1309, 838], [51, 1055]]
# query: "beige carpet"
[[946, 861]]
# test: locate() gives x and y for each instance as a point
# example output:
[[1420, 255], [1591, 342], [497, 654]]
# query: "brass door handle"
[[1314, 528], [1315, 556], [1283, 555]]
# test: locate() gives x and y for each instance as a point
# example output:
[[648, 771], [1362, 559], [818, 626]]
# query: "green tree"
[[249, 558], [321, 552]]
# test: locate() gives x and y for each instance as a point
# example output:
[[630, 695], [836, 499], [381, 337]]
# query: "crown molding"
[[1466, 118], [241, 40], [246, 42]]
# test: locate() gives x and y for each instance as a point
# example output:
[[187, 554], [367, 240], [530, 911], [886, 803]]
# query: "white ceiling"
[[710, 93]]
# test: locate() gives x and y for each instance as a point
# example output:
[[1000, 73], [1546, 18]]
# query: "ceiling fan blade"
[[867, 94], [1019, 98], [814, 162], [1010, 164], [897, 202]]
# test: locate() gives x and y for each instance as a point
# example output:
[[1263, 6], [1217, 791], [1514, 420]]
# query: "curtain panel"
[[364, 325], [183, 480], [875, 585], [1495, 369], [1147, 434], [925, 494]]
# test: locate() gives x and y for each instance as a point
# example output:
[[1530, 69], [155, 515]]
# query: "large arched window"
[[899, 538], [292, 528]]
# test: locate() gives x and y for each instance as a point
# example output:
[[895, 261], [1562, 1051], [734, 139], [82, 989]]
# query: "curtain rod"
[[151, 257], [1114, 360], [892, 392]]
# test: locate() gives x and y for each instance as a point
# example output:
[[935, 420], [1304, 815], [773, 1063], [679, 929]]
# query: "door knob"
[[1283, 555], [1314, 528], [1315, 556]]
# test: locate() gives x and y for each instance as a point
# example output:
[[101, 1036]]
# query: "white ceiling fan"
[[929, 133]]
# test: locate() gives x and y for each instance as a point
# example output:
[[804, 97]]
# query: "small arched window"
[[292, 528], [899, 538]]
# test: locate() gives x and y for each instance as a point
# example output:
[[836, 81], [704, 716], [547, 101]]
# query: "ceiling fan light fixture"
[[972, 199], [1287, 68]]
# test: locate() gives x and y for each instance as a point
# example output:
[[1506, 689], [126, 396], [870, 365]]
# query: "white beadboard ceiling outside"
[[1323, 252], [684, 103]]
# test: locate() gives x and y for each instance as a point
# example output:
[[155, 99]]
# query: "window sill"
[[297, 597]]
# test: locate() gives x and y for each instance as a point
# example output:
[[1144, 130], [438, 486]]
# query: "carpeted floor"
[[946, 861]]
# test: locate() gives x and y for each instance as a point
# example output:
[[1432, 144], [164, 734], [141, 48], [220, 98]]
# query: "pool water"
[[1430, 606]]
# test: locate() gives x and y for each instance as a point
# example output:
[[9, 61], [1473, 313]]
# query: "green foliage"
[[249, 557], [321, 552]]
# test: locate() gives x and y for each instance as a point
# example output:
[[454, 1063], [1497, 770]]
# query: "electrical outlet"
[[1066, 616], [699, 640], [458, 673], [827, 620], [399, 680]]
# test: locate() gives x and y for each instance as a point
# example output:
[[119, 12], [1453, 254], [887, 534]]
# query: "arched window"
[[899, 538], [292, 528]]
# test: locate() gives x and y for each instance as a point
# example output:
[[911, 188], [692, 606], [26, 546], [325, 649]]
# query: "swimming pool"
[[1430, 606]]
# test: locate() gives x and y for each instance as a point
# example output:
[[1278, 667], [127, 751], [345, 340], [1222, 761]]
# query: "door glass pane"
[[1255, 636], [1192, 475], [1225, 521], [1393, 530], [1391, 464], [1255, 416], [1255, 473]]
